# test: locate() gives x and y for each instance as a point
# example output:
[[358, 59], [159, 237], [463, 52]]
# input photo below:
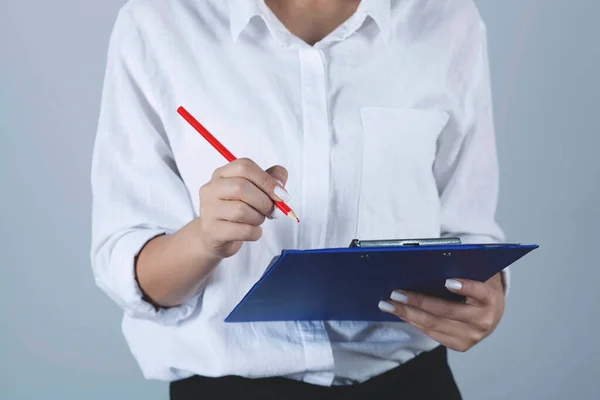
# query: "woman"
[[380, 112]]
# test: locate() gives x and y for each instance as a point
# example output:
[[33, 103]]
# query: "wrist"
[[195, 248]]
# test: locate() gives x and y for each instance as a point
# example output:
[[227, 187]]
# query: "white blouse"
[[385, 127]]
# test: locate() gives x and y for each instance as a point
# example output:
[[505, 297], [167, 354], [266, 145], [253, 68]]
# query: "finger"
[[481, 292], [226, 231], [478, 317], [244, 190], [452, 334], [246, 168], [438, 307], [239, 211], [279, 173], [277, 213], [425, 319]]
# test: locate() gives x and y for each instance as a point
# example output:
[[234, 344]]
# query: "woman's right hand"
[[235, 203]]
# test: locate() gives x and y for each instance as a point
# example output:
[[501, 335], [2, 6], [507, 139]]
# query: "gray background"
[[60, 336]]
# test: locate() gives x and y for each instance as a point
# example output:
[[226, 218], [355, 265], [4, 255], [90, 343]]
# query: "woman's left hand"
[[458, 326]]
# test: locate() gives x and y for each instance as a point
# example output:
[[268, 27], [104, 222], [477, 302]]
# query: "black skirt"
[[427, 376]]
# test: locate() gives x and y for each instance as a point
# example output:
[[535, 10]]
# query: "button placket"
[[317, 147], [316, 184]]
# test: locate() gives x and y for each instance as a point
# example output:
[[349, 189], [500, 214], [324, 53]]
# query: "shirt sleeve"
[[137, 192], [466, 165]]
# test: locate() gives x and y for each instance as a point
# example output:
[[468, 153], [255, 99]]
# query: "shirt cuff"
[[120, 283]]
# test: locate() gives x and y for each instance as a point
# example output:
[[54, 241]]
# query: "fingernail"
[[276, 213], [398, 296], [453, 284], [386, 306], [282, 193]]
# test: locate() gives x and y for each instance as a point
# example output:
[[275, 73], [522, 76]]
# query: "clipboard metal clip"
[[405, 242]]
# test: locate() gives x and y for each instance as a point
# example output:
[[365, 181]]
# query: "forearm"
[[170, 269]]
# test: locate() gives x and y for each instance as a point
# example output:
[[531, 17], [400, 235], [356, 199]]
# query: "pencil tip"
[[293, 216]]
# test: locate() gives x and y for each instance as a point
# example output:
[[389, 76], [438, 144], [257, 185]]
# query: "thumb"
[[278, 172], [281, 175]]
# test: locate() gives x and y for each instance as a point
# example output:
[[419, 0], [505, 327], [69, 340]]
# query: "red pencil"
[[226, 153]]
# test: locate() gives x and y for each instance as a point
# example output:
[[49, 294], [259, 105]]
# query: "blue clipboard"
[[346, 284]]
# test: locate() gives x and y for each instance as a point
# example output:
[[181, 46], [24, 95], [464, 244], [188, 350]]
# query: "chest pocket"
[[399, 196]]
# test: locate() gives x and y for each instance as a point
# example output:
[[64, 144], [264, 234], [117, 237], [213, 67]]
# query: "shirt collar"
[[242, 11], [381, 12]]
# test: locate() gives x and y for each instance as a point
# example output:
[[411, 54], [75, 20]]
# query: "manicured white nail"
[[398, 296], [386, 306], [282, 193], [277, 213], [453, 284]]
